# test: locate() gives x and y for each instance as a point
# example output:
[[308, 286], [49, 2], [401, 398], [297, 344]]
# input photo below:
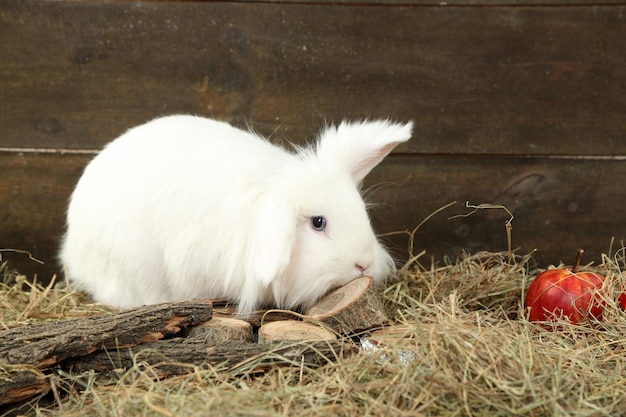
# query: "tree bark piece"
[[45, 344], [350, 309], [179, 356], [223, 330], [20, 384], [293, 330]]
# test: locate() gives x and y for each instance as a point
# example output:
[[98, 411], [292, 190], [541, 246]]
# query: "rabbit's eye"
[[318, 223]]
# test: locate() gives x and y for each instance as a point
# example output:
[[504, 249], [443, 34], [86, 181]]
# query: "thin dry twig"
[[24, 252], [507, 224]]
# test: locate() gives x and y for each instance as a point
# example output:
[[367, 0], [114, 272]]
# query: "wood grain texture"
[[477, 80], [293, 330], [559, 205], [439, 3], [34, 192], [351, 309]]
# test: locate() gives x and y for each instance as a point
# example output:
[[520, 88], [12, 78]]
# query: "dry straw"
[[473, 354]]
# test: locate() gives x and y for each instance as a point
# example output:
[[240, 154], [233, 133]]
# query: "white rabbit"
[[187, 207]]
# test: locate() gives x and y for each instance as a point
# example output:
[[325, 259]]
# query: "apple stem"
[[579, 257]]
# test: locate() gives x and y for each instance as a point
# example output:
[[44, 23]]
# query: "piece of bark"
[[350, 309], [182, 355], [45, 344], [293, 330], [21, 383], [223, 330]]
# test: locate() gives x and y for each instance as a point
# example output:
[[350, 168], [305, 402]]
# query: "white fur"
[[188, 207]]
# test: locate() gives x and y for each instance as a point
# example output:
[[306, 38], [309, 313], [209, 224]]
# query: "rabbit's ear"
[[271, 239], [360, 146]]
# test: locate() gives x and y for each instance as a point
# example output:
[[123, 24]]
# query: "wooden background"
[[520, 103]]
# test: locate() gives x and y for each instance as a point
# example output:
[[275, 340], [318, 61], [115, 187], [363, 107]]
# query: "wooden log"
[[182, 355], [21, 383], [293, 330], [223, 330], [520, 80], [352, 308], [45, 344]]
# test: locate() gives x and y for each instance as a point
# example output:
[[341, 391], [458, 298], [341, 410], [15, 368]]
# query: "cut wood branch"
[[21, 383], [43, 345], [179, 356], [293, 330], [350, 309]]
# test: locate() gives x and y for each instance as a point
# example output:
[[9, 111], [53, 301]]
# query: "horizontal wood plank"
[[412, 3], [34, 192], [559, 205], [476, 80], [436, 3]]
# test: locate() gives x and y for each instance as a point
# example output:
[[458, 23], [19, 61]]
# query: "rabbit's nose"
[[362, 267]]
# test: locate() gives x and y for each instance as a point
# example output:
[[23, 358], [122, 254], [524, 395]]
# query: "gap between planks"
[[55, 151], [63, 151]]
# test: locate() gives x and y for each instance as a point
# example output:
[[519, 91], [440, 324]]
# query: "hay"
[[473, 353], [23, 302]]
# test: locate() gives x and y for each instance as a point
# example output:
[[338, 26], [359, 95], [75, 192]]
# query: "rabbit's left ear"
[[360, 146], [271, 239]]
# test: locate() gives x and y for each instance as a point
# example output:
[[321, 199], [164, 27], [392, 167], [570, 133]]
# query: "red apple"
[[557, 293], [622, 299]]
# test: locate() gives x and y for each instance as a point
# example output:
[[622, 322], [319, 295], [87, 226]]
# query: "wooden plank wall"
[[520, 103]]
